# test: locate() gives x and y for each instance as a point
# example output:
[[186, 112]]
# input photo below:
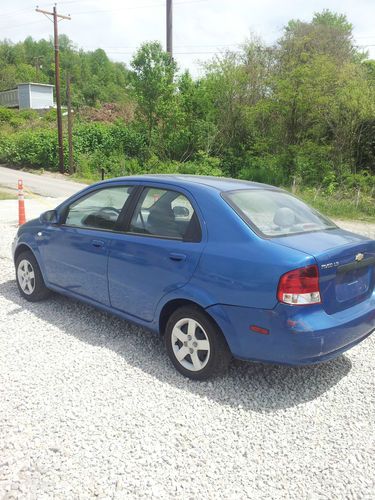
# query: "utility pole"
[[55, 17], [70, 124], [169, 22]]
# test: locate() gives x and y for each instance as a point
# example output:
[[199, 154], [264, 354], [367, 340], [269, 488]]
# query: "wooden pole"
[[169, 24], [70, 125], [57, 88], [55, 17]]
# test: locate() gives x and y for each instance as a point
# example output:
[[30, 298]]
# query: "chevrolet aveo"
[[220, 268]]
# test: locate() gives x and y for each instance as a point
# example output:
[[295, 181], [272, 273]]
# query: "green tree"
[[153, 84]]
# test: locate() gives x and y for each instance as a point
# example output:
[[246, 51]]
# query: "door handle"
[[97, 243], [177, 256]]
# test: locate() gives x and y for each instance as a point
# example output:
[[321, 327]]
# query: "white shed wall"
[[41, 97], [9, 98], [24, 96]]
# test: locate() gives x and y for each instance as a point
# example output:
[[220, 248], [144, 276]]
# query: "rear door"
[[75, 253], [157, 254]]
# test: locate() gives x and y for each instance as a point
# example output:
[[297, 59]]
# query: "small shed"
[[28, 96]]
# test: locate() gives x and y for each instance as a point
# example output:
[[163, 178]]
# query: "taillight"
[[300, 286]]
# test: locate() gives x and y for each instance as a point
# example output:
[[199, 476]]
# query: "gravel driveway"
[[90, 407]]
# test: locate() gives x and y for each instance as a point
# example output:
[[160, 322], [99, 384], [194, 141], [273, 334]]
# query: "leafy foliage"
[[300, 112]]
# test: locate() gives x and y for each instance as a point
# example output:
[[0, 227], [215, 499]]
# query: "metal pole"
[[57, 87], [169, 23]]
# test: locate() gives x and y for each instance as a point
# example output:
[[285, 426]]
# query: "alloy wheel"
[[26, 276], [190, 344]]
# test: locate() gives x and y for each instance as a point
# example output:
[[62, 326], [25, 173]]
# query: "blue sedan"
[[220, 268]]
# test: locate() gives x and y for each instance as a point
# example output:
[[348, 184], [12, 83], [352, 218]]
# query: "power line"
[[73, 1], [176, 53], [128, 47], [13, 13], [224, 45], [19, 25], [135, 7], [193, 53], [363, 36]]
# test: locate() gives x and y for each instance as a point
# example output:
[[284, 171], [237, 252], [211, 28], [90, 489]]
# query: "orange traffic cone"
[[21, 204]]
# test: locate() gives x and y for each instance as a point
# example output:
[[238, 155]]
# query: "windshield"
[[276, 213]]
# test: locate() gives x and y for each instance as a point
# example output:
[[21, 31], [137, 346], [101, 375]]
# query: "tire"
[[189, 328], [29, 278]]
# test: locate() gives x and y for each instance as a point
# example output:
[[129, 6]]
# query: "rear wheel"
[[195, 345], [29, 278]]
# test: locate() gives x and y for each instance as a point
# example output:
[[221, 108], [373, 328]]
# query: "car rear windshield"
[[276, 213]]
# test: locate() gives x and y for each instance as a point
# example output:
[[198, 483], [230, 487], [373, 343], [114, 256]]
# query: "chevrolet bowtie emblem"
[[359, 257]]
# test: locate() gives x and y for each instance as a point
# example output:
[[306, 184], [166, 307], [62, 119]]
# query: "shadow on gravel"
[[250, 386]]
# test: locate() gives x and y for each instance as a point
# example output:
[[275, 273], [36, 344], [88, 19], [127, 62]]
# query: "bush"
[[14, 118], [50, 116], [28, 114], [6, 115], [363, 181], [129, 140], [109, 139], [32, 148], [94, 144], [117, 164], [312, 163]]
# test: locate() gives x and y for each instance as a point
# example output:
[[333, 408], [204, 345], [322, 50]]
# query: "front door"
[[75, 253], [158, 253]]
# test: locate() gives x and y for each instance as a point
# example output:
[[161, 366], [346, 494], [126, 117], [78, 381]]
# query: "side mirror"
[[180, 211], [49, 217]]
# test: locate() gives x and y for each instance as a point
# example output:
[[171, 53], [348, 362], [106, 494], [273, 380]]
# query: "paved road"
[[51, 185]]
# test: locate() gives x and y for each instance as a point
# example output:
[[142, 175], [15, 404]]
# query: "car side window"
[[98, 210], [166, 214]]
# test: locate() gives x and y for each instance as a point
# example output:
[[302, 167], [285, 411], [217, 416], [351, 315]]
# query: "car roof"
[[218, 183]]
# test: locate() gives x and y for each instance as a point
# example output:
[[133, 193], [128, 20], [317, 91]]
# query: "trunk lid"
[[346, 264]]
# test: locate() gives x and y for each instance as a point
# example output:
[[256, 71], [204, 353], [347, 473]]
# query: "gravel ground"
[[91, 407]]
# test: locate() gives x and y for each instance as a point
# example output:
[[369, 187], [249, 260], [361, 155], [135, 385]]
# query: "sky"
[[201, 28]]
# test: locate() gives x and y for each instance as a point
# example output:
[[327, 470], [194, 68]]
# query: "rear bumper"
[[297, 335]]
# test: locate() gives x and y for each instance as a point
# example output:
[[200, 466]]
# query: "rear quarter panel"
[[238, 267]]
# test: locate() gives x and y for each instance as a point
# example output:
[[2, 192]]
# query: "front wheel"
[[195, 345], [29, 278]]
